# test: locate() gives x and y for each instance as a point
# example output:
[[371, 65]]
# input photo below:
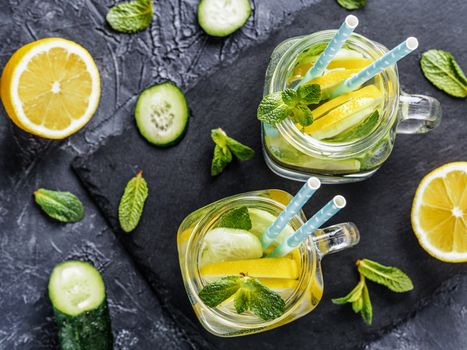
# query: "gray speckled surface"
[[174, 48]]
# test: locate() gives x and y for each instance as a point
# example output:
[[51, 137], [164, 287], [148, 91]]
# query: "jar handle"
[[418, 114], [335, 238]]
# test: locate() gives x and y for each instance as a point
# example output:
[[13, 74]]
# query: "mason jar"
[[293, 154], [307, 289]]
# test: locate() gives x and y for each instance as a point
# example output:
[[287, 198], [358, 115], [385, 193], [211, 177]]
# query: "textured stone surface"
[[175, 48]]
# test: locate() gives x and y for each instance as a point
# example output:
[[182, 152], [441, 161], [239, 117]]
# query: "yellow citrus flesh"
[[261, 268], [439, 212], [50, 87], [344, 116]]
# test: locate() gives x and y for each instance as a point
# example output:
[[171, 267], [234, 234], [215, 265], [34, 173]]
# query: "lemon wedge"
[[439, 212], [50, 87], [260, 268]]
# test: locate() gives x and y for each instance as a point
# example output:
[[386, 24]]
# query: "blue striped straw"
[[390, 58], [293, 241], [294, 206], [349, 25]]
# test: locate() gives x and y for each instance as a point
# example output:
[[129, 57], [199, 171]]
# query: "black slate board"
[[179, 183]]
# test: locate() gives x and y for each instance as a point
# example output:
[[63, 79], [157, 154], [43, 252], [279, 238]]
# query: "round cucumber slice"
[[223, 17], [162, 114], [76, 287], [261, 220], [226, 244]]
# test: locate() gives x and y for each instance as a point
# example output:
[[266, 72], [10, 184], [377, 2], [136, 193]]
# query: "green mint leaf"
[[352, 4], [242, 301], [132, 203], [359, 131], [263, 302], [240, 151], [357, 305], [290, 97], [250, 294], [272, 109], [309, 93], [238, 218], [130, 17], [222, 157], [219, 137], [366, 310], [301, 114], [61, 206], [388, 276], [442, 70], [215, 293], [354, 295]]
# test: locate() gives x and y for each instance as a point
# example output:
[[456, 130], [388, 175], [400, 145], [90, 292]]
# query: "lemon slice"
[[50, 87], [343, 117], [331, 79], [439, 212], [259, 268]]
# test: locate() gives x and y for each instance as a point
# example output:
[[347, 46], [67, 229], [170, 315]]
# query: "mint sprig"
[[391, 277], [224, 149], [289, 103], [249, 294], [237, 218]]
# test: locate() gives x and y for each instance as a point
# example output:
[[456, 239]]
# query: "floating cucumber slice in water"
[[261, 220], [223, 17], [162, 114], [226, 244]]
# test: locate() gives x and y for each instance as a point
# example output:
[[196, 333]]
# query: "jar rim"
[[194, 281], [317, 148]]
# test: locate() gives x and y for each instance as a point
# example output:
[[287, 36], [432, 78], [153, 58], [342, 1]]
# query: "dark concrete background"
[[174, 48]]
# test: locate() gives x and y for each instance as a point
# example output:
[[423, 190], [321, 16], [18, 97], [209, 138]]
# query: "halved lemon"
[[439, 212], [50, 87]]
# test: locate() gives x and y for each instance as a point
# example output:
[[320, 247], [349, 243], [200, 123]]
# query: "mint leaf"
[[354, 295], [357, 305], [222, 157], [309, 93], [250, 294], [131, 204], [263, 302], [388, 276], [223, 150], [61, 206], [366, 310], [352, 4], [215, 293], [130, 17], [242, 301], [240, 151], [301, 114], [359, 131], [238, 218], [442, 70], [272, 109], [290, 97]]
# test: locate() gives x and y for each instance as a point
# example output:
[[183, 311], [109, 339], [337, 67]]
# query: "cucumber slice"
[[223, 17], [162, 114], [77, 293]]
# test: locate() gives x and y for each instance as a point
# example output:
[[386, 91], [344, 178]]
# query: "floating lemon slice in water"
[[439, 212], [50, 87]]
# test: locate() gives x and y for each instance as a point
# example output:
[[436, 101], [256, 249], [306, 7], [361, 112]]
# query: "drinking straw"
[[294, 206], [293, 241], [350, 23], [390, 58]]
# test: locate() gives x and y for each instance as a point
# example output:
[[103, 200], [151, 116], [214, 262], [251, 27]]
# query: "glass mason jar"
[[308, 289], [295, 155]]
